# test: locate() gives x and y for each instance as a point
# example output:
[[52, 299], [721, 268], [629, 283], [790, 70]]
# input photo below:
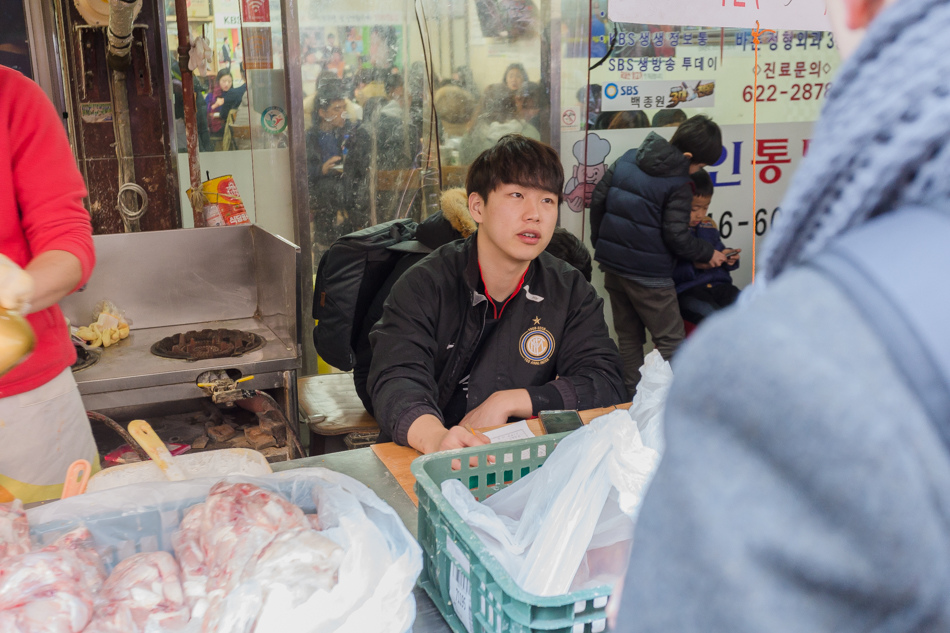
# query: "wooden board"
[[398, 460], [590, 414]]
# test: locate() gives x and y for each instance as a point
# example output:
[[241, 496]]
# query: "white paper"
[[807, 15], [510, 432]]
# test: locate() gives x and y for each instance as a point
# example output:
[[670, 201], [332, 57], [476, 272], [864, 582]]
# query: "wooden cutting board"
[[398, 459]]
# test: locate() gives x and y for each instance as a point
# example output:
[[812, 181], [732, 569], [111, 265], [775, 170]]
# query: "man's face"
[[333, 115], [700, 209], [515, 223]]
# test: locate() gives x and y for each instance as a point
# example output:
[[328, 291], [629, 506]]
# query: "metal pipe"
[[95, 416], [191, 122], [299, 177], [122, 14], [122, 125]]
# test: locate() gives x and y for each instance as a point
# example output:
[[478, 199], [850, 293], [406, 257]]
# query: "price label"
[[460, 591], [460, 587]]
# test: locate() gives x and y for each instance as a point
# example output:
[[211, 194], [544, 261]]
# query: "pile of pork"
[[241, 536]]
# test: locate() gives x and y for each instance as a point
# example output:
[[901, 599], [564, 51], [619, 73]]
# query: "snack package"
[[110, 326], [224, 206]]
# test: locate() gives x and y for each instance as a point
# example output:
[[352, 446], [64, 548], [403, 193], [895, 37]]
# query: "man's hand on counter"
[[498, 408], [427, 435]]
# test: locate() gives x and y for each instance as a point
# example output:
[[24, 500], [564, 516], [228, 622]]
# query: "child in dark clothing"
[[702, 288], [639, 222]]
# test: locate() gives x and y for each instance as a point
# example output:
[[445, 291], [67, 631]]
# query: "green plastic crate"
[[471, 589]]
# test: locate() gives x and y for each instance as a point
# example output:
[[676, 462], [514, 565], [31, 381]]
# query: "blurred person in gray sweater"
[[806, 480]]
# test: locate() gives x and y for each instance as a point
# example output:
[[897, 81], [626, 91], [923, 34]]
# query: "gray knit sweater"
[[803, 488]]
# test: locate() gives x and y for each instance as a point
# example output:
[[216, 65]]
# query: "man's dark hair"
[[666, 117], [702, 184], [701, 137], [565, 246], [516, 160]]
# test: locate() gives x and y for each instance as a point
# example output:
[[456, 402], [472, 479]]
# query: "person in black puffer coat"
[[639, 218]]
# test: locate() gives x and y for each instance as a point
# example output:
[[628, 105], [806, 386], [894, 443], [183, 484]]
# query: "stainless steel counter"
[[363, 465], [130, 364]]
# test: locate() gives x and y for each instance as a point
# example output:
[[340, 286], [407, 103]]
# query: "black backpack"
[[349, 276]]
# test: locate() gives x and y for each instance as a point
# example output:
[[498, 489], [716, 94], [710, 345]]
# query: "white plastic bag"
[[379, 570], [569, 525], [650, 401], [540, 527]]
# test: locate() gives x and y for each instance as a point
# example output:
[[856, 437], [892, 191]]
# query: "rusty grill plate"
[[205, 344]]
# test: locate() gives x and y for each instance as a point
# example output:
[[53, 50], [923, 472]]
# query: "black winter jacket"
[[552, 331], [639, 212]]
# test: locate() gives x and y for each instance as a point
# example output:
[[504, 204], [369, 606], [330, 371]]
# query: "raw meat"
[[14, 530], [143, 590], [242, 542], [79, 542], [51, 590]]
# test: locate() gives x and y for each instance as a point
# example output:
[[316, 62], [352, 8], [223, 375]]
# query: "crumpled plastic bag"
[[650, 402], [569, 525]]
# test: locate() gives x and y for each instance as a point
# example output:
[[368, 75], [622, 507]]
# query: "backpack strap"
[[895, 268]]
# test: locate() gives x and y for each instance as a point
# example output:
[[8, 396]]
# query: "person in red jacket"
[[47, 253]]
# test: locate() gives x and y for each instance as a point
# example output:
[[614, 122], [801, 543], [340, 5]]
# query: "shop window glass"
[[242, 114], [400, 97], [647, 77]]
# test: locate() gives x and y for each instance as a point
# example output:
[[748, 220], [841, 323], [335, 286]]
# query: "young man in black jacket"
[[492, 328], [639, 221]]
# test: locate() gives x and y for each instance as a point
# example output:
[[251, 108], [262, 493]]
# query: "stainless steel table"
[[363, 465]]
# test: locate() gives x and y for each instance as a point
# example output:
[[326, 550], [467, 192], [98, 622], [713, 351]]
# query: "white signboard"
[[808, 15]]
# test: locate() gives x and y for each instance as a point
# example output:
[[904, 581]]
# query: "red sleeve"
[[48, 186]]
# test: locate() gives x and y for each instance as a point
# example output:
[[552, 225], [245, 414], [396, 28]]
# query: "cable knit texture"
[[882, 140]]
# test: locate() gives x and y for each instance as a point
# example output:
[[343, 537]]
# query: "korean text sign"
[[773, 14]]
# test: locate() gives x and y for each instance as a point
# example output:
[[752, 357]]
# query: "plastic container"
[[227, 461], [121, 527], [472, 591]]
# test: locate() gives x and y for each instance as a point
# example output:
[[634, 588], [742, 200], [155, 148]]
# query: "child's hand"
[[718, 259]]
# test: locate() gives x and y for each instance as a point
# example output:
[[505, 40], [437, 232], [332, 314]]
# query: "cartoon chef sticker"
[[587, 172]]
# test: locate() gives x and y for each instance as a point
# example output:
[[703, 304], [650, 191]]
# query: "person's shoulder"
[[445, 262], [17, 88], [554, 271], [800, 335]]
